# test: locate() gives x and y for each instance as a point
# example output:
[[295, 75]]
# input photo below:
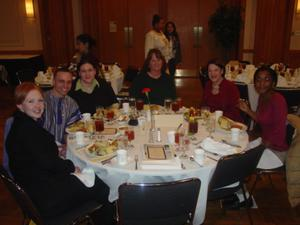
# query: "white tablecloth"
[[114, 175]]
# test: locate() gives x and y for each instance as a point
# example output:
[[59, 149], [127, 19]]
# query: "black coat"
[[37, 167]]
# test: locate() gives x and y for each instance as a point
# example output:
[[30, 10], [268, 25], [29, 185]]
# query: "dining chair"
[[31, 213], [230, 174], [5, 160], [171, 203], [25, 75]]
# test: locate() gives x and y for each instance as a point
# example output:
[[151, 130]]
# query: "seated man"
[[60, 109]]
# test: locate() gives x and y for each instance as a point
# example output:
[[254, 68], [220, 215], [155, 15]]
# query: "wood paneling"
[[271, 30], [57, 31]]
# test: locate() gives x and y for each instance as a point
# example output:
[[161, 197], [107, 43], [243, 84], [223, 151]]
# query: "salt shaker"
[[152, 135], [158, 135]]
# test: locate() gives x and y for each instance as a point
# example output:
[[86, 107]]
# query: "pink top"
[[272, 120], [226, 100]]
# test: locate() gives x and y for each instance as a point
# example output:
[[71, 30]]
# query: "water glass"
[[139, 104], [167, 104]]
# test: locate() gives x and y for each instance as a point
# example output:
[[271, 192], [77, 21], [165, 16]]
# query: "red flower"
[[146, 90]]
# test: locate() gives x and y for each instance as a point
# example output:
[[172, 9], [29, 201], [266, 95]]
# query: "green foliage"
[[226, 24]]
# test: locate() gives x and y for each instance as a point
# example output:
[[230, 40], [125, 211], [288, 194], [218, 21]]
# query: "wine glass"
[[211, 122], [184, 143], [130, 134]]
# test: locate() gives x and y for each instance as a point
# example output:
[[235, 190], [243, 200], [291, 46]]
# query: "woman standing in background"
[[155, 38], [172, 36]]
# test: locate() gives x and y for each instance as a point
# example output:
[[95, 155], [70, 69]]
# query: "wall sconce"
[[29, 9], [298, 7]]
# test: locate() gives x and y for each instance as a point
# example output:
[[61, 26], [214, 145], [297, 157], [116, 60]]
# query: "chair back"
[[5, 161], [235, 168], [169, 203], [22, 199]]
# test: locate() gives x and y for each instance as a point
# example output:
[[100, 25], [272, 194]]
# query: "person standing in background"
[[84, 47], [155, 38], [172, 36]]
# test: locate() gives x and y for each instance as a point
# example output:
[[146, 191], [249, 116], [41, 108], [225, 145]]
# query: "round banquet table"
[[114, 175]]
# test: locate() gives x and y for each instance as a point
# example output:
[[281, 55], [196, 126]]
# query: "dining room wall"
[[19, 34]]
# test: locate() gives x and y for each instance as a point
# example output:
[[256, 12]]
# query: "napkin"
[[213, 146], [87, 176], [168, 120], [172, 164], [281, 82]]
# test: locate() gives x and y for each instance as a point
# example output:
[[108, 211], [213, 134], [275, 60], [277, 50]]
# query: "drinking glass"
[[139, 104], [179, 102], [211, 122], [99, 124], [205, 113], [184, 143], [167, 104], [130, 134], [132, 103], [175, 106]]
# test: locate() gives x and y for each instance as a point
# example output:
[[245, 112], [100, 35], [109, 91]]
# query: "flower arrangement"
[[146, 92]]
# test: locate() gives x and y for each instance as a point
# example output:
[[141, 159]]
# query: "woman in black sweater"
[[36, 165], [89, 92]]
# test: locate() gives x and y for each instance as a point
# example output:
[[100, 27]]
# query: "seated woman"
[[35, 164], [153, 76], [221, 94], [271, 112], [87, 91]]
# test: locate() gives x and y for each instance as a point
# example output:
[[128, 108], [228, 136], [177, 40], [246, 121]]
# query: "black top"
[[161, 88], [33, 155], [102, 95]]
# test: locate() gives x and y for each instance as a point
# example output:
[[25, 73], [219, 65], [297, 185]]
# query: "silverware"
[[183, 166], [136, 159], [231, 144], [193, 160], [106, 161], [180, 125]]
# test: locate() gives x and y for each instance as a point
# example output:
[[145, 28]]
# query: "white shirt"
[[159, 41]]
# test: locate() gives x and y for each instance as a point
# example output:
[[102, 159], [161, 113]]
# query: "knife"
[[108, 160], [231, 144]]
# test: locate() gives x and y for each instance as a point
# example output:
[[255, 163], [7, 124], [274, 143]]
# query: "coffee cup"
[[79, 138], [235, 133], [171, 137], [122, 157]]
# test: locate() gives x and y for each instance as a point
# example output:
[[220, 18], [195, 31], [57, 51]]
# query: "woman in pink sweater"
[[271, 112], [221, 94]]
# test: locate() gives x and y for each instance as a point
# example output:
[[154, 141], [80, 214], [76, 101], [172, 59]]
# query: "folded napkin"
[[213, 146], [87, 176], [172, 164], [281, 81]]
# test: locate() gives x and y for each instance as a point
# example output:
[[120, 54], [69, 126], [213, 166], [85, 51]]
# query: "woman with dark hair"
[[84, 47], [155, 38], [175, 57], [89, 92], [153, 76], [221, 94], [35, 163], [271, 111]]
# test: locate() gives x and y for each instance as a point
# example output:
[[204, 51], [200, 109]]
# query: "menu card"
[[109, 131], [156, 152]]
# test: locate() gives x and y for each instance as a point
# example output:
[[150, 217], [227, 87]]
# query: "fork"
[[136, 159]]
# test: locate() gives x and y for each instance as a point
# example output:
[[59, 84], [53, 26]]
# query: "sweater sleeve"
[[45, 153]]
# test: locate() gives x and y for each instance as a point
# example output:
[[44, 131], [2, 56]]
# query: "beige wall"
[[17, 32]]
